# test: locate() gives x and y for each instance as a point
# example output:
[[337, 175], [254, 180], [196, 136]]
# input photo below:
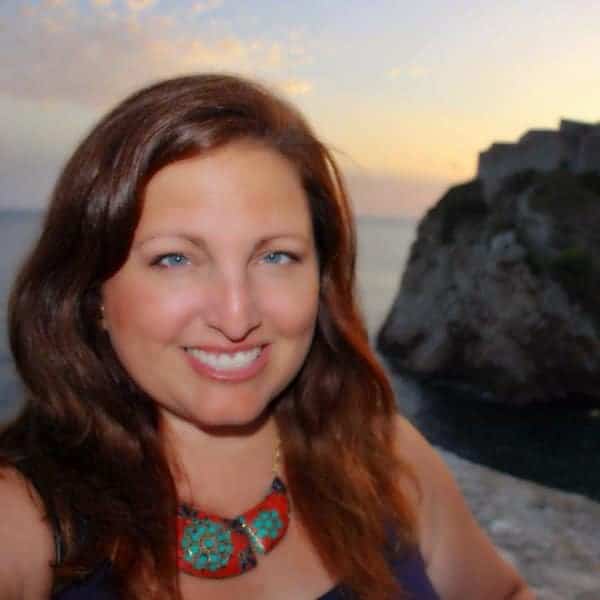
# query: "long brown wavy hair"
[[88, 437]]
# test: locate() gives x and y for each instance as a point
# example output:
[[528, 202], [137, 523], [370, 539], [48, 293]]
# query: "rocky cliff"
[[503, 298], [574, 145]]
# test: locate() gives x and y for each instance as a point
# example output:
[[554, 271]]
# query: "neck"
[[222, 470]]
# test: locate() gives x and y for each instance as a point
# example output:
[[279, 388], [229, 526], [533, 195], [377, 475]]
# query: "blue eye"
[[278, 258], [171, 260]]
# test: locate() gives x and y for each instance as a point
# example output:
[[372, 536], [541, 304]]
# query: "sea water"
[[383, 246], [554, 445], [17, 231]]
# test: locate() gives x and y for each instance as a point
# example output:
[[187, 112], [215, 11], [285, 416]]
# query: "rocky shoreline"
[[499, 296], [501, 293], [552, 537]]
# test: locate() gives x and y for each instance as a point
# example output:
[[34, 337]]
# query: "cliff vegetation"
[[501, 295]]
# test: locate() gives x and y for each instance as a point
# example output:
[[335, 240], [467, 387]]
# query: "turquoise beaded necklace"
[[216, 547]]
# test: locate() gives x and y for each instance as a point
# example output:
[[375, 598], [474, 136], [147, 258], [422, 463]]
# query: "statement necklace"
[[216, 547]]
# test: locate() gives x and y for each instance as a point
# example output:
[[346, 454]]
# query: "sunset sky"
[[407, 93]]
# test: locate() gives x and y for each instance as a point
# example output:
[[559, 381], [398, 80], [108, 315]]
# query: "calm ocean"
[[555, 446], [383, 247]]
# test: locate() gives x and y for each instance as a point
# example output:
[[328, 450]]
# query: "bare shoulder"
[[25, 571], [461, 560]]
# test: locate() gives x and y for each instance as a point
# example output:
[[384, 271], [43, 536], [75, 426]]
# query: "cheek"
[[136, 311], [293, 310]]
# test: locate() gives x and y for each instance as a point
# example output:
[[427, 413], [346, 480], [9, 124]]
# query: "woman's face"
[[214, 310]]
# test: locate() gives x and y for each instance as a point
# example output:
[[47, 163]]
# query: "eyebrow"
[[201, 243]]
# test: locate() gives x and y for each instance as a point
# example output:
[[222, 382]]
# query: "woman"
[[204, 417]]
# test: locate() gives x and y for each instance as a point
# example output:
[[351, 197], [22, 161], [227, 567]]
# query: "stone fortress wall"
[[575, 146]]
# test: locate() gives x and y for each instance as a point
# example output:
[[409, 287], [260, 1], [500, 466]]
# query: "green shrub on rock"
[[461, 204], [575, 269]]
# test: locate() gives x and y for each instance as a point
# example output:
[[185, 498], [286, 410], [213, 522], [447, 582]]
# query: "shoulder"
[[25, 571], [461, 560], [437, 496], [432, 479]]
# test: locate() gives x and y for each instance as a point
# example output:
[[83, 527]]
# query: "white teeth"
[[226, 362]]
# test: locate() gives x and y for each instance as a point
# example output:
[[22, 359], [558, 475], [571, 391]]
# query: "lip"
[[232, 375]]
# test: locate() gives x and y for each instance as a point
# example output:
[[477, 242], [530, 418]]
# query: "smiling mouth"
[[225, 361]]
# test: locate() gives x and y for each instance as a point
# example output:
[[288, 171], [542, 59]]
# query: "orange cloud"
[[137, 5], [97, 59], [412, 71], [296, 87], [207, 6]]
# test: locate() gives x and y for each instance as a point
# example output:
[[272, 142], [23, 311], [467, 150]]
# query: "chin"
[[242, 415]]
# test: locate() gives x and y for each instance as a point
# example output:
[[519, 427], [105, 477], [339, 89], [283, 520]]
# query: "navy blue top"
[[409, 572]]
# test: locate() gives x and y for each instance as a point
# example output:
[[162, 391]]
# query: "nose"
[[233, 309]]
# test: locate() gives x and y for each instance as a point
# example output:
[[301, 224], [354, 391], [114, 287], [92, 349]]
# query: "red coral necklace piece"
[[216, 547], [212, 546]]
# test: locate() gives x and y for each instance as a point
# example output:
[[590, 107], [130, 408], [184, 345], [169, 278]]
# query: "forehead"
[[242, 184]]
